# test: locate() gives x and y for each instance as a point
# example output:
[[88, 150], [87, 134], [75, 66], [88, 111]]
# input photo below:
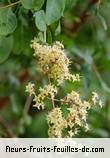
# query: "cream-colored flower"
[[39, 105], [56, 123], [53, 61], [100, 103], [96, 99], [48, 91], [30, 88]]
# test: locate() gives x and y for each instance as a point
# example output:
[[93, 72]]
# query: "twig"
[[10, 5], [98, 75], [52, 99], [28, 104], [83, 16], [7, 127], [57, 100], [96, 72]]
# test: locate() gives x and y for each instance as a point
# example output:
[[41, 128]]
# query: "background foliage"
[[83, 27]]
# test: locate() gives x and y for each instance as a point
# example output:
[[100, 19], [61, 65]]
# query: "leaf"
[[41, 36], [38, 123], [58, 29], [54, 10], [22, 46], [6, 45], [8, 21], [32, 4], [40, 20], [103, 22]]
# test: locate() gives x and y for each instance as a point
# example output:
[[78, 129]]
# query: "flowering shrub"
[[54, 63], [83, 28]]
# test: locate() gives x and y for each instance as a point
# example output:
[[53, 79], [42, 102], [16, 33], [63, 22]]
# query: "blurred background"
[[84, 29]]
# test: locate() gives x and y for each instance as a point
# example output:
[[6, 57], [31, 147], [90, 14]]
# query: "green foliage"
[[33, 4], [54, 10], [40, 20], [6, 45], [8, 21], [87, 42]]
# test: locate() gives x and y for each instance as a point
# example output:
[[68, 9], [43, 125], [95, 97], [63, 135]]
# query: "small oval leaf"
[[54, 10], [8, 21], [32, 4], [40, 20], [6, 45]]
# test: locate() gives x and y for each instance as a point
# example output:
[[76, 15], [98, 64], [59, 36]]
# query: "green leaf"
[[58, 29], [8, 21], [38, 123], [41, 36], [6, 45], [103, 22], [54, 10], [40, 20], [32, 4], [22, 46]]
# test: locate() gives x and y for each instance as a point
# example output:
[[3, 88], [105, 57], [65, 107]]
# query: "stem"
[[84, 15], [53, 102], [57, 100], [45, 36], [10, 5], [52, 98], [98, 75], [28, 104], [97, 72]]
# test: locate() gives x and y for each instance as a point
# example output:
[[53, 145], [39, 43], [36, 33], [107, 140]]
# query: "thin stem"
[[57, 100], [9, 5], [53, 102], [45, 36], [28, 104], [98, 75], [52, 99], [83, 16], [96, 72]]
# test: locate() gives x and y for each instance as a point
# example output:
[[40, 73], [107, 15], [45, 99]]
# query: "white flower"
[[30, 88]]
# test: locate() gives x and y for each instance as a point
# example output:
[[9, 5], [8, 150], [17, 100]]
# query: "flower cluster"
[[48, 91], [56, 123], [96, 99], [77, 112], [53, 61], [30, 88], [55, 65], [76, 118]]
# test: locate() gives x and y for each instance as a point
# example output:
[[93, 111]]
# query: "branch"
[[98, 75], [84, 15], [97, 72], [28, 104], [9, 5], [7, 127], [52, 99]]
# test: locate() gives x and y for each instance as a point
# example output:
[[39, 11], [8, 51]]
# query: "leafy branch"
[[83, 16], [9, 5]]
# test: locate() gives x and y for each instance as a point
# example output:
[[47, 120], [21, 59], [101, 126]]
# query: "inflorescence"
[[54, 63]]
